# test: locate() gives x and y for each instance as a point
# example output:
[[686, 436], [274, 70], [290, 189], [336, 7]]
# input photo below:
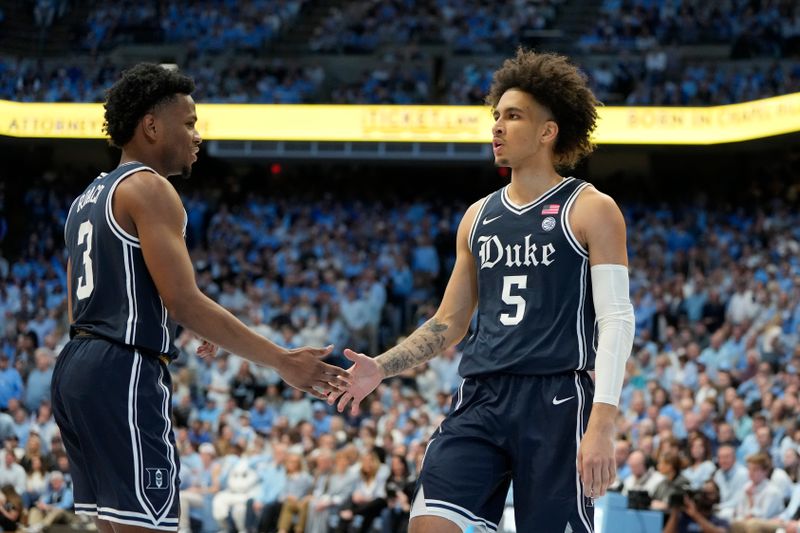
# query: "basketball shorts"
[[113, 406], [503, 428]]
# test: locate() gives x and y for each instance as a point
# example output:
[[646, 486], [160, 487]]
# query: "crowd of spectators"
[[659, 79], [468, 26], [405, 76], [647, 67], [45, 12], [712, 390], [402, 76], [644, 64], [247, 81], [769, 28], [210, 26], [237, 81]]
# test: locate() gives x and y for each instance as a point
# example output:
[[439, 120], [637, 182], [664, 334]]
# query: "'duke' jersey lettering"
[[113, 295], [535, 311]]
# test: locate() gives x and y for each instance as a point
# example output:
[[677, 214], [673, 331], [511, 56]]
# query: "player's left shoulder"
[[592, 206], [595, 211]]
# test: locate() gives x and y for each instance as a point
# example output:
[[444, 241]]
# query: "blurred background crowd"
[[712, 389], [713, 378], [644, 52]]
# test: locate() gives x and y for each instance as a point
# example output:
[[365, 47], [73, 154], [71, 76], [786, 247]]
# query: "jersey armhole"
[[66, 222], [115, 227], [565, 224], [474, 226]]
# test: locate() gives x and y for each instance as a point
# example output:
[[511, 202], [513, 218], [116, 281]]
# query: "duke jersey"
[[113, 296], [535, 309]]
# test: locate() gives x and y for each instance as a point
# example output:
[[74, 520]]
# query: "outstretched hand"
[[303, 369], [207, 349], [365, 376]]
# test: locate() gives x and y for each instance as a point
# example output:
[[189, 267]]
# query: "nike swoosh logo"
[[490, 220], [556, 401]]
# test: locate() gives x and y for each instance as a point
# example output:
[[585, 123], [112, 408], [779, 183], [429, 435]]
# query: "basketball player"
[[130, 279], [544, 261]]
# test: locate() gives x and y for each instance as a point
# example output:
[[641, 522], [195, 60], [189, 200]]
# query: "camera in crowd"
[[702, 500], [676, 499], [639, 500]]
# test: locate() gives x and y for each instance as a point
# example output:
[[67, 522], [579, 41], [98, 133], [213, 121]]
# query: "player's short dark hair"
[[559, 86], [136, 93]]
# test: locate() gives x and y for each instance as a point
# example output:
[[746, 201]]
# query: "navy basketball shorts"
[[508, 427], [113, 406]]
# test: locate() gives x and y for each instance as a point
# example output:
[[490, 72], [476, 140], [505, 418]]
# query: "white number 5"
[[515, 299], [85, 282]]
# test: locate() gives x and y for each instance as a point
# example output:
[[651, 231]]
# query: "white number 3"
[[513, 299], [85, 282]]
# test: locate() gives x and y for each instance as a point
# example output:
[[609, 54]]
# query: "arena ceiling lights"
[[420, 124]]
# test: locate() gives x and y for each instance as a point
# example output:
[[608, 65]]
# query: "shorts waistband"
[[84, 334]]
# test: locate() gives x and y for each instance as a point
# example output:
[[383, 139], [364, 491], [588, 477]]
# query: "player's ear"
[[550, 131], [149, 126]]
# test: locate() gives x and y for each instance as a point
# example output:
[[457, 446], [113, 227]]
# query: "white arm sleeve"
[[612, 306]]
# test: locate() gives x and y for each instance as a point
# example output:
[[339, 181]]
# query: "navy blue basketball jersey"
[[113, 295], [535, 309]]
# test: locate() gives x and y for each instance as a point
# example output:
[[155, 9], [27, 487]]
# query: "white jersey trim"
[[125, 517], [66, 222], [580, 325], [522, 209], [460, 395], [116, 229], [94, 509], [130, 288], [156, 516], [456, 514], [425, 454], [567, 228], [579, 431], [164, 329], [475, 222], [173, 460], [133, 425]]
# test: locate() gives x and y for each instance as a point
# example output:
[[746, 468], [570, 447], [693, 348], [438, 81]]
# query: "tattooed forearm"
[[424, 344]]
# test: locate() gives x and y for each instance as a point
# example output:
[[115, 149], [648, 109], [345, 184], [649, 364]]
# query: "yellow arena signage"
[[700, 125], [469, 124]]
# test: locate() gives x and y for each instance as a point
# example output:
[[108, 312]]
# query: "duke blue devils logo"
[[157, 478], [492, 251]]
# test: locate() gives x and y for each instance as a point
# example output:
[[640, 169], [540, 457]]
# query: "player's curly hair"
[[140, 89], [558, 85]]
